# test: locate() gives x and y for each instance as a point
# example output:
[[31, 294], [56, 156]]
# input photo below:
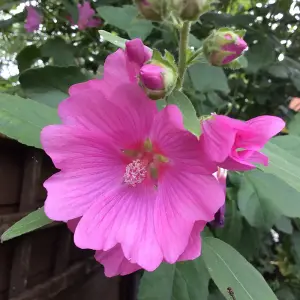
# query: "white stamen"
[[135, 172]]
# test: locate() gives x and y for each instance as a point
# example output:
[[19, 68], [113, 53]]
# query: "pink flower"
[[86, 16], [131, 173], [219, 220], [235, 144], [152, 77], [115, 263], [123, 66], [34, 19]]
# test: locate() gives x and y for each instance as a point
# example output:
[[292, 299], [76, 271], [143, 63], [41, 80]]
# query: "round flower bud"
[[157, 80], [153, 10], [190, 10], [222, 47]]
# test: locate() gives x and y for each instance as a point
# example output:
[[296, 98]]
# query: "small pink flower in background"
[[86, 17], [234, 144], [132, 174], [219, 220], [34, 19]]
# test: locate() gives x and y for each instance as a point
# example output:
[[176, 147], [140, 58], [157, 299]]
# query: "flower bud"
[[153, 10], [157, 80], [190, 10], [224, 46]]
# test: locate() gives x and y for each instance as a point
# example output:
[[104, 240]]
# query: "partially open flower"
[[224, 46]]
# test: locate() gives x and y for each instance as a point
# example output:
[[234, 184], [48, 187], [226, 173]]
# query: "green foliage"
[[49, 85], [31, 222], [23, 119], [181, 281], [190, 120], [229, 269]]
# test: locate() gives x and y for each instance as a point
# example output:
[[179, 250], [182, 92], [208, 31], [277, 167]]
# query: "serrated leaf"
[[228, 268], [116, 40], [31, 222], [190, 119], [181, 281], [23, 119]]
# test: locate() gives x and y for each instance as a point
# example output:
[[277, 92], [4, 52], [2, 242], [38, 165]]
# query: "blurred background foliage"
[[260, 222]]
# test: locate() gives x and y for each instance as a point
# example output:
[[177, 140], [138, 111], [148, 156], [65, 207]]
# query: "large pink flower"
[[132, 173], [235, 144], [34, 19], [115, 263], [123, 66]]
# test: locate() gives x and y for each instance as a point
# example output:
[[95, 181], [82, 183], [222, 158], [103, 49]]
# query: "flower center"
[[135, 172], [145, 162]]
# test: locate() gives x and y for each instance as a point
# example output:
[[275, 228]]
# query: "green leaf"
[[294, 125], [263, 199], [116, 40], [255, 203], [260, 56], [125, 18], [61, 52], [72, 9], [190, 120], [206, 78], [229, 269], [282, 164], [50, 85], [195, 42], [23, 119], [284, 224], [181, 281], [31, 222], [27, 57], [160, 104], [296, 246]]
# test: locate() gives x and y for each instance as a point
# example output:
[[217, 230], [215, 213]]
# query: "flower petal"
[[126, 217], [179, 145], [193, 249], [115, 263], [263, 128], [126, 116], [218, 137]]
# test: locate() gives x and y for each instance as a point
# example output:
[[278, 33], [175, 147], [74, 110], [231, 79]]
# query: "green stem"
[[183, 46]]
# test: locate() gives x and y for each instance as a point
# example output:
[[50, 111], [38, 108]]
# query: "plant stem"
[[183, 46]]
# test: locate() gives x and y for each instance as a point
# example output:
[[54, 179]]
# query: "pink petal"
[[179, 145], [235, 164], [115, 69], [115, 263], [72, 224], [127, 217], [263, 128], [91, 167], [96, 22], [193, 249], [188, 191], [84, 87], [218, 137], [118, 117]]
